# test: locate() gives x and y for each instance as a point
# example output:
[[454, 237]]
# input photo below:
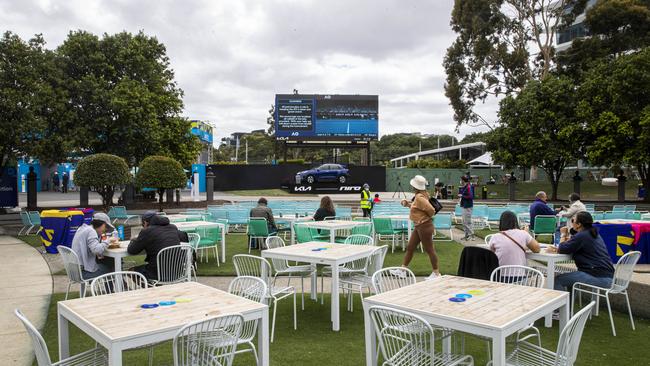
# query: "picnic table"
[[496, 311], [118, 322], [118, 254], [330, 254]]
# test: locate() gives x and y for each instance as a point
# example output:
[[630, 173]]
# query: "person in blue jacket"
[[539, 207], [467, 203]]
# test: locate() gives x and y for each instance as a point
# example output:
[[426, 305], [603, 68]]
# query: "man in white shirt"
[[89, 246]]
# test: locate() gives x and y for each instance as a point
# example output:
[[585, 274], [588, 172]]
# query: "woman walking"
[[421, 214]]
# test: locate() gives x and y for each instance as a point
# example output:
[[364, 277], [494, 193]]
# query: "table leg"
[[114, 356], [371, 346], [263, 339], [332, 236], [223, 244], [498, 350], [118, 263], [565, 311], [314, 283], [550, 283], [335, 297], [293, 233], [446, 345], [64, 345]]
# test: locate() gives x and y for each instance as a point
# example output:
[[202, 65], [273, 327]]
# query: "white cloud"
[[232, 57]]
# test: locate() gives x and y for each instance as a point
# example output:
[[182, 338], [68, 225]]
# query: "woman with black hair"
[[589, 254], [511, 242]]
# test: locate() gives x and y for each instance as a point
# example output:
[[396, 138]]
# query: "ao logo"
[[302, 189], [294, 133]]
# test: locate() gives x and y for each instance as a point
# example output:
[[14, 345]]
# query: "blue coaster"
[[464, 296], [318, 249], [456, 299], [149, 306], [167, 303]]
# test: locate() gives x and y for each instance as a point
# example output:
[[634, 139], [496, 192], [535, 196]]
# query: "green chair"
[[209, 238], [303, 234], [257, 228], [545, 225], [384, 230], [365, 230]]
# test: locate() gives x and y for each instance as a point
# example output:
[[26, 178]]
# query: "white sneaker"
[[398, 273], [432, 276]]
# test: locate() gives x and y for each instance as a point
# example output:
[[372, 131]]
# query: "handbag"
[[437, 206]]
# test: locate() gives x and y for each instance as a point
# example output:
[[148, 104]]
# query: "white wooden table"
[[332, 226], [500, 311], [291, 220], [118, 254], [334, 255], [193, 225], [400, 218], [118, 323], [551, 260], [176, 218]]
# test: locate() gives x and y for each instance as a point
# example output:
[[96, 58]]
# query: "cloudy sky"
[[232, 57]]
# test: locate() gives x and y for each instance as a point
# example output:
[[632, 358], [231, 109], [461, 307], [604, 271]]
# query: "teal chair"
[[384, 230], [209, 238], [257, 229], [442, 221], [303, 234], [545, 225]]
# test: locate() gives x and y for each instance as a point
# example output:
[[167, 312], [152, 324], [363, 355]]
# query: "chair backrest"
[[487, 238], [251, 288], [630, 208], [458, 211], [117, 282], [213, 233], [194, 240], [376, 260], [273, 242], [442, 221], [618, 208], [402, 333], [383, 225], [545, 224], [174, 264], [71, 263], [209, 342], [615, 215], [257, 226], [523, 218], [250, 265], [383, 280], [518, 275], [303, 234], [40, 347], [624, 270], [590, 207], [24, 218], [359, 239], [570, 337], [365, 229], [35, 217]]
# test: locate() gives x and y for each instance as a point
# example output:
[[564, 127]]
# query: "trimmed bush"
[[161, 173], [102, 173]]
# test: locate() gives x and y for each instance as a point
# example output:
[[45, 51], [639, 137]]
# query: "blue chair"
[[618, 208], [27, 223], [494, 214], [458, 214], [442, 221], [615, 215]]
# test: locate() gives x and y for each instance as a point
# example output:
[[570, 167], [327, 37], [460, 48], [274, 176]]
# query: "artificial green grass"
[[314, 343]]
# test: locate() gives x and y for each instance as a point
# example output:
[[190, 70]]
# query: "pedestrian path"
[[26, 284]]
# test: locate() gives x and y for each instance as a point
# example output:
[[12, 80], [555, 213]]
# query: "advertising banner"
[[8, 188]]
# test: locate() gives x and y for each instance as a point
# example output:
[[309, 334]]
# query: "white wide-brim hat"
[[419, 182]]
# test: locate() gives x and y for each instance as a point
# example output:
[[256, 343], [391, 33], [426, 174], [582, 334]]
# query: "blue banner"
[[8, 188]]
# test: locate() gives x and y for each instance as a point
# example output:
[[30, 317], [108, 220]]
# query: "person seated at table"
[[511, 242], [89, 246], [589, 254], [263, 210], [539, 207], [156, 235], [573, 209], [326, 209]]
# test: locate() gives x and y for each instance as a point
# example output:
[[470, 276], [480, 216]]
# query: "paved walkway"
[[25, 283]]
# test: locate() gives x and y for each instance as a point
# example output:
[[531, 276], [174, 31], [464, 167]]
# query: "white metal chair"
[[250, 265], [407, 339], [487, 238], [194, 240], [620, 282], [363, 281], [210, 342], [97, 356], [115, 282], [72, 270], [254, 289], [385, 280], [528, 354], [356, 266], [282, 267], [174, 265]]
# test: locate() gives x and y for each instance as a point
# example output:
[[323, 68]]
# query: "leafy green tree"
[[540, 127], [615, 103], [19, 83], [500, 45], [124, 97], [102, 173], [162, 173]]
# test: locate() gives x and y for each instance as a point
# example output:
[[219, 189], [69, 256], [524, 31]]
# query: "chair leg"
[[151, 356], [295, 316], [611, 318], [302, 290], [68, 290], [82, 290], [275, 308], [629, 310]]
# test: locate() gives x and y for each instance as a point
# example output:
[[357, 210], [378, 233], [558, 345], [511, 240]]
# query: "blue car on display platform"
[[323, 173]]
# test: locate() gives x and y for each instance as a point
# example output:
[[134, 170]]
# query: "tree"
[[540, 127], [162, 173], [102, 173], [491, 57], [124, 97], [615, 103], [19, 83]]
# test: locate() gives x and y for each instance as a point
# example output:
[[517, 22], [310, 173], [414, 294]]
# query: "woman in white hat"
[[422, 216]]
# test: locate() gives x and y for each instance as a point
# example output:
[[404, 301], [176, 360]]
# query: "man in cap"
[[262, 210], [89, 246], [156, 235], [366, 203]]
